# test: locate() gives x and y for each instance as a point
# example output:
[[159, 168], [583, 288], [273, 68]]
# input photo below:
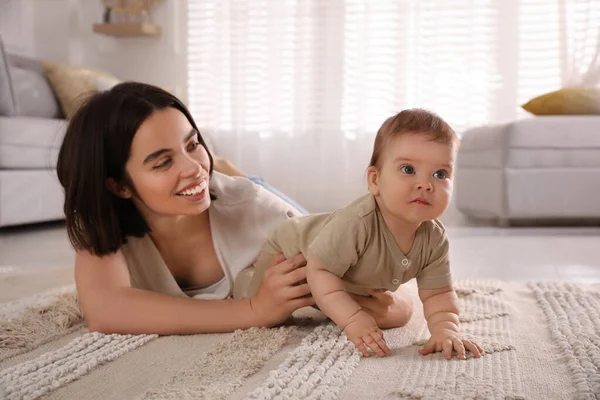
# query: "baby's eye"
[[407, 169], [441, 174]]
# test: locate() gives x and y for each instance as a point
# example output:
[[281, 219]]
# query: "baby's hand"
[[447, 340], [363, 332]]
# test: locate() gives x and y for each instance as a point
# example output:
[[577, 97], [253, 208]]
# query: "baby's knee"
[[408, 309], [403, 311]]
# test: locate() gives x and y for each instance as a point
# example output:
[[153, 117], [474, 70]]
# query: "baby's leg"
[[260, 266], [392, 309], [248, 280]]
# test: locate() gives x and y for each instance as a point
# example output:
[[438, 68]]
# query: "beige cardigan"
[[241, 218]]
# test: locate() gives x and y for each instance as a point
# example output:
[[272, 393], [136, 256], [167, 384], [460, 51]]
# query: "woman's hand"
[[389, 309], [447, 340], [283, 290]]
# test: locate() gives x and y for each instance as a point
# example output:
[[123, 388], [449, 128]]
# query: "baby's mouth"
[[421, 201]]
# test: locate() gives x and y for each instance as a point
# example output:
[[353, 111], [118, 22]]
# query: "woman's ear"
[[118, 189], [373, 180]]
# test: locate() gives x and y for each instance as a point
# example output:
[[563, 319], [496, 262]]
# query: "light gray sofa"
[[31, 130], [539, 168]]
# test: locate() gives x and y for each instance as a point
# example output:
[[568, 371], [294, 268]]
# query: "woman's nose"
[[190, 168]]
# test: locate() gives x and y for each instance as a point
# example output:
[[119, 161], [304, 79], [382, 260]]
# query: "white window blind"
[[294, 89]]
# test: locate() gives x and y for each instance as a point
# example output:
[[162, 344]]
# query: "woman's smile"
[[195, 191]]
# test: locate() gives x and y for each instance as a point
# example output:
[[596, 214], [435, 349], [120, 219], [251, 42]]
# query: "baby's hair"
[[415, 121]]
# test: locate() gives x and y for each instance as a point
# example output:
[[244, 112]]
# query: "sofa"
[[31, 130], [544, 168]]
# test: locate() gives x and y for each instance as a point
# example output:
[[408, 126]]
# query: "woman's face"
[[168, 166]]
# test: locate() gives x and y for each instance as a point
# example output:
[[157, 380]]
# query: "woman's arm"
[[111, 305]]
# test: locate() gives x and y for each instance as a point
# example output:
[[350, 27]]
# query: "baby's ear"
[[373, 180], [118, 189]]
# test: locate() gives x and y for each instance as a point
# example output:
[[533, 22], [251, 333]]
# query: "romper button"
[[395, 281], [405, 262], [289, 214]]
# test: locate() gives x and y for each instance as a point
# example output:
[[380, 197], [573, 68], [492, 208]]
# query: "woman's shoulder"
[[236, 192], [232, 190]]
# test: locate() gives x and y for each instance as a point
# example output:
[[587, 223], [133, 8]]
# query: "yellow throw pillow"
[[568, 101], [74, 84]]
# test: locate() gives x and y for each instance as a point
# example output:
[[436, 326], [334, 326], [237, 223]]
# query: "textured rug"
[[542, 342]]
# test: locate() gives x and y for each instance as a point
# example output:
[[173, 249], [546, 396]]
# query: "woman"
[[160, 239]]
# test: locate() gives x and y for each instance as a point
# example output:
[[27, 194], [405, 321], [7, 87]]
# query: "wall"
[[16, 26], [61, 31]]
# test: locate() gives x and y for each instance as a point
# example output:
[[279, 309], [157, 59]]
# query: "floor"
[[477, 251]]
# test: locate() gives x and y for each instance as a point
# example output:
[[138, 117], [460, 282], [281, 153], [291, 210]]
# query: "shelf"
[[128, 30]]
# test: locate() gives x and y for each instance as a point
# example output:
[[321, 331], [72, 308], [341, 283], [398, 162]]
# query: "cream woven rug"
[[542, 342]]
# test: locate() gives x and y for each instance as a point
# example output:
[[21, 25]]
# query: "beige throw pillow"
[[568, 101], [73, 85]]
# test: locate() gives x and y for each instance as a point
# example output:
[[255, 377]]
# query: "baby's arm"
[[441, 310], [330, 295], [440, 307]]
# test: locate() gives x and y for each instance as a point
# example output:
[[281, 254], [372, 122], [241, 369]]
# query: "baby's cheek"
[[447, 186]]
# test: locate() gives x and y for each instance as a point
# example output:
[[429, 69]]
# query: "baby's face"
[[416, 178]]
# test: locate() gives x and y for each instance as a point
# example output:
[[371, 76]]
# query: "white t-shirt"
[[241, 218]]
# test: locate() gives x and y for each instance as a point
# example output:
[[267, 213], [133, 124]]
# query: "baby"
[[385, 238]]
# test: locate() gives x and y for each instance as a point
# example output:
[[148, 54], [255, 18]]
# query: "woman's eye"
[[162, 164], [441, 174], [407, 169], [194, 146]]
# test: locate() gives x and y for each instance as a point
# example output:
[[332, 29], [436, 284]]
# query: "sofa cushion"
[[103, 83], [551, 141], [30, 143], [567, 101], [74, 84], [552, 193], [8, 104], [28, 196], [33, 94], [558, 132]]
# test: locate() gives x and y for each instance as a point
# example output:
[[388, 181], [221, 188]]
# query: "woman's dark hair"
[[96, 147]]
